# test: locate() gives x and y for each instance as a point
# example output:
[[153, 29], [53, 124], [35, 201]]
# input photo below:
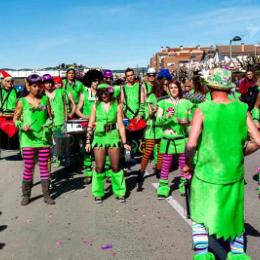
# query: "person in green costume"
[[256, 117], [132, 98], [86, 101], [173, 117], [107, 115], [219, 131], [33, 118], [72, 85], [8, 96], [57, 98], [153, 133]]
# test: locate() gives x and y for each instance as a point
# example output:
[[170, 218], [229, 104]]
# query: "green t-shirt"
[[89, 101], [57, 107], [36, 118], [152, 131], [220, 150], [132, 98], [8, 100], [75, 88]]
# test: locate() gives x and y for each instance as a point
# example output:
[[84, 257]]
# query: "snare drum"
[[8, 133], [77, 126]]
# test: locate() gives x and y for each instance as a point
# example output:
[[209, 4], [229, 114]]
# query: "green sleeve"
[[256, 114]]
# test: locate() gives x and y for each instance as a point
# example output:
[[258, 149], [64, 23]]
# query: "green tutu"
[[220, 207]]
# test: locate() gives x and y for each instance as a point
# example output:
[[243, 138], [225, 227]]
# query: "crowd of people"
[[206, 121]]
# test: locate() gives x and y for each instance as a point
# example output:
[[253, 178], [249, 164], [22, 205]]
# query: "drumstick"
[[34, 121]]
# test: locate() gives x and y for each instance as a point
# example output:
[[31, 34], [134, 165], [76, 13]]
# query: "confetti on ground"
[[58, 243], [107, 246], [86, 241]]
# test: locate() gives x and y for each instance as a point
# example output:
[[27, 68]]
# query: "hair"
[[157, 89], [178, 84], [90, 76], [198, 87], [129, 70], [33, 79]]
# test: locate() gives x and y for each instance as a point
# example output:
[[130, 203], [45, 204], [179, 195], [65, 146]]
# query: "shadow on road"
[[2, 228], [63, 181]]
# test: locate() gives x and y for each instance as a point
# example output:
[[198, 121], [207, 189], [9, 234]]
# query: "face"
[[8, 83], [94, 84], [105, 96], [108, 80], [58, 85], [48, 86], [35, 89], [188, 85], [71, 75], [151, 77], [173, 90], [130, 77], [250, 75]]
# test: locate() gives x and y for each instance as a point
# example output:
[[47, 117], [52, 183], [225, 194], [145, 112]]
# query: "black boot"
[[46, 192], [26, 190], [140, 181], [157, 173]]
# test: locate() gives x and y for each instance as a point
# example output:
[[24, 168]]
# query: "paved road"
[[76, 228]]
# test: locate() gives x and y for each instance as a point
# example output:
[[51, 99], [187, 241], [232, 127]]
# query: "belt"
[[110, 127]]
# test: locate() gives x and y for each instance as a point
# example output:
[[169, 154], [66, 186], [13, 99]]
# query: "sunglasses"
[[9, 81], [151, 75]]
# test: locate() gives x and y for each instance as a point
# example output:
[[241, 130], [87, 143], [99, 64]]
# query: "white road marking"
[[213, 243]]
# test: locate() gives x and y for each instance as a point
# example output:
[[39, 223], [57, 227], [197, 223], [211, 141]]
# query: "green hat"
[[218, 79], [70, 68], [106, 86], [103, 86]]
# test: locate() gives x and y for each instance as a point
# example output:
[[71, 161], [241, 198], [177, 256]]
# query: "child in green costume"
[[173, 117], [107, 116], [32, 117], [219, 131]]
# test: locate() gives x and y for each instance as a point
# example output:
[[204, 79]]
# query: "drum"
[[63, 145], [77, 126], [8, 133]]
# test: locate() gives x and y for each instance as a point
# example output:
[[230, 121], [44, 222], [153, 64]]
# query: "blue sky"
[[116, 34]]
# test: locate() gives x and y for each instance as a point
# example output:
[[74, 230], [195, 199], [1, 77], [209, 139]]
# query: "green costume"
[[132, 101], [106, 134], [89, 101], [75, 88], [8, 99], [175, 135], [39, 134], [58, 111], [218, 183], [152, 131]]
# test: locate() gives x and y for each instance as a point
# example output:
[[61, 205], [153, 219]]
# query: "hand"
[[186, 170], [127, 147], [170, 112], [70, 116], [88, 148], [138, 118], [26, 128]]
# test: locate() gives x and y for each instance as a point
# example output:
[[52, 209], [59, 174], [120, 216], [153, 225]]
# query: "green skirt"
[[109, 139], [172, 146], [219, 207]]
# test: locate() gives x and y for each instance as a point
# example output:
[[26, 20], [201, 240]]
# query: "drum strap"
[[2, 100], [139, 101]]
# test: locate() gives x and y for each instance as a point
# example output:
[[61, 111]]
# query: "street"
[[76, 228]]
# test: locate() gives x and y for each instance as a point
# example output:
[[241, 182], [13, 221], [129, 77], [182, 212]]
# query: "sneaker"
[[182, 186], [121, 199], [160, 197], [98, 200]]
